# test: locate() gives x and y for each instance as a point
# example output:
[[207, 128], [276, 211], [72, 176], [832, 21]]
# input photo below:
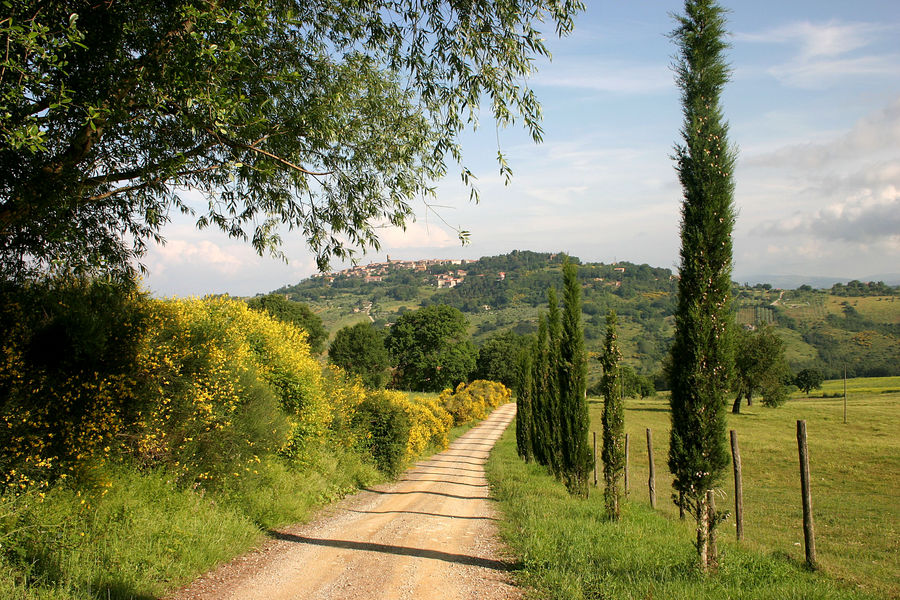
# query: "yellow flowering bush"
[[206, 388], [474, 401], [430, 425], [65, 347]]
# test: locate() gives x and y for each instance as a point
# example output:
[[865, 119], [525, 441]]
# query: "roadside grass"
[[855, 472], [568, 550], [137, 535]]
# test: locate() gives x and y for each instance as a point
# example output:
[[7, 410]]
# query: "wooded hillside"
[[822, 328]]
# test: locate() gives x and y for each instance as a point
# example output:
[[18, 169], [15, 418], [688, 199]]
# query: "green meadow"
[[569, 550]]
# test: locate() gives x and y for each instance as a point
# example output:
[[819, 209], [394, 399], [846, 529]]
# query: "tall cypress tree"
[[575, 455], [524, 394], [539, 398], [702, 352], [613, 419], [552, 405]]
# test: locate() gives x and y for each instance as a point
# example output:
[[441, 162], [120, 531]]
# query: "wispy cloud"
[[872, 136], [827, 53], [610, 76], [871, 216]]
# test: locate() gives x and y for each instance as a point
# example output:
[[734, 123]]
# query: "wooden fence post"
[[595, 458], [809, 536], [738, 486], [627, 440], [652, 480]]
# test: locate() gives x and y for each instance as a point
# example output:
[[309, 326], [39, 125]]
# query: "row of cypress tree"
[[552, 421]]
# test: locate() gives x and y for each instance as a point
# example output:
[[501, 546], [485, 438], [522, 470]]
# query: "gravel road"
[[430, 536]]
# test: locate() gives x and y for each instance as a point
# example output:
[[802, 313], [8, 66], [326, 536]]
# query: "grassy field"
[[855, 470]]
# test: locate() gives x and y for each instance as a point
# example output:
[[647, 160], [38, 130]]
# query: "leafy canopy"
[[359, 349], [808, 380], [327, 117], [760, 365], [431, 349]]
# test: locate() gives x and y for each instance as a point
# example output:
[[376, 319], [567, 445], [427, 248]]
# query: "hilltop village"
[[374, 272]]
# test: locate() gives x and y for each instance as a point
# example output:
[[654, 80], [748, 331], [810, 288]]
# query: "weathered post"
[[809, 536], [712, 556], [627, 440], [595, 458], [652, 480], [738, 486]]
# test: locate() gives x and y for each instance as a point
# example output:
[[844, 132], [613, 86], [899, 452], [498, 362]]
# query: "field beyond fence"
[[855, 475]]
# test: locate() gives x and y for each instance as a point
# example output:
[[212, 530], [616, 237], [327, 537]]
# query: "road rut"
[[431, 535]]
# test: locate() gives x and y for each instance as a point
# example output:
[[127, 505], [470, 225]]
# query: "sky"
[[814, 112]]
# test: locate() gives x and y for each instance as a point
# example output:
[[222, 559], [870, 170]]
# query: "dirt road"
[[430, 536]]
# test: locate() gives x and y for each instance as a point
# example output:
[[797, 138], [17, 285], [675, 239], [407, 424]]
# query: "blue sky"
[[814, 111]]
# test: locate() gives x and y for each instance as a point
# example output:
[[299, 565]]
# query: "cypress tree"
[[524, 393], [539, 398], [575, 455], [552, 404], [702, 352], [613, 419]]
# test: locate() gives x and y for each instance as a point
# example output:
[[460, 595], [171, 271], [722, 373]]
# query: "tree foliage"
[[541, 415], [613, 420], [575, 454], [326, 116], [808, 380], [525, 405], [431, 349], [297, 313], [702, 352], [359, 349], [498, 358], [760, 365]]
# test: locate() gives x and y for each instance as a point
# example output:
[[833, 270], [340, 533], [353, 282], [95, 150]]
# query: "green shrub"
[[388, 426]]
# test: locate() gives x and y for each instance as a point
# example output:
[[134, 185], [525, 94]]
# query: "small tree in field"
[[613, 420], [702, 351], [575, 455], [808, 380], [760, 365]]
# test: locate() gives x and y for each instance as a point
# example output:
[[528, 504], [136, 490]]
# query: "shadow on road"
[[416, 512], [462, 559], [374, 491]]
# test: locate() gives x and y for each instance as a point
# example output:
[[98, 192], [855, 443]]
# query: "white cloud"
[[876, 135], [426, 233], [610, 76], [829, 53]]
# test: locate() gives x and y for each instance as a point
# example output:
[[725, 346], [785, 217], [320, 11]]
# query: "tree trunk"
[[712, 559], [702, 516], [736, 407], [750, 397]]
